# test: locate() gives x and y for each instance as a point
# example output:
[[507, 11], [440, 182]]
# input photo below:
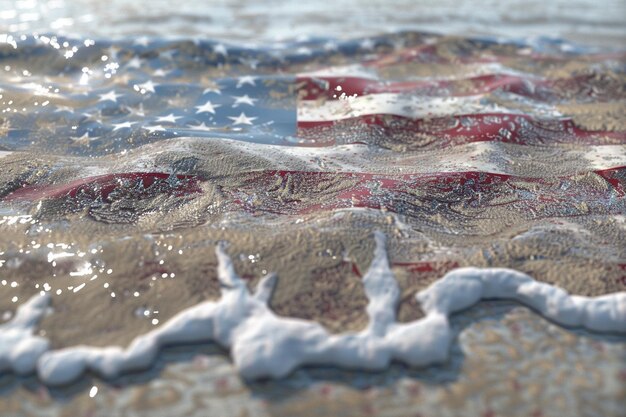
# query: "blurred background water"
[[584, 21]]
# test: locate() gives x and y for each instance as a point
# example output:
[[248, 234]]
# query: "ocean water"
[[195, 197], [583, 21]]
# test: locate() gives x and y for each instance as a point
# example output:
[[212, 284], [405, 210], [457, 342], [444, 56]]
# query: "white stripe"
[[363, 159], [411, 106], [356, 70], [605, 157], [461, 72], [4, 153]]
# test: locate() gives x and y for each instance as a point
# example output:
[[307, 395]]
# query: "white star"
[[242, 119], [142, 41], [152, 129], [278, 55], [220, 48], [246, 79], [201, 126], [84, 78], [244, 100], [330, 46], [89, 116], [110, 96], [160, 73], [125, 125], [367, 44], [135, 111], [207, 107], [135, 62], [170, 118], [303, 50], [147, 86]]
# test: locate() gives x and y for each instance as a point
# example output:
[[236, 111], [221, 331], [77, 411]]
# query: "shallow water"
[[584, 21]]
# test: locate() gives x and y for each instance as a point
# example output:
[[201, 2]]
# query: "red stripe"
[[454, 130], [557, 197], [616, 177], [102, 186], [411, 194]]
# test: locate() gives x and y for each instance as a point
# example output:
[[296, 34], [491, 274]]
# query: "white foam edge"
[[20, 347], [263, 344]]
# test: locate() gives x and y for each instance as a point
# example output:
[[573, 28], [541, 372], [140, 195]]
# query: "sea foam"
[[263, 344], [20, 347]]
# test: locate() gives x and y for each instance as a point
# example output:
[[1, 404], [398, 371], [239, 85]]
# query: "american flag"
[[504, 113], [97, 98], [458, 136]]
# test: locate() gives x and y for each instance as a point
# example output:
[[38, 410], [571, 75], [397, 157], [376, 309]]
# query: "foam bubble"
[[20, 348]]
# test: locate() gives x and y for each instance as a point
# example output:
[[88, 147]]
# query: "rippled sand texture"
[[508, 361], [123, 162]]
